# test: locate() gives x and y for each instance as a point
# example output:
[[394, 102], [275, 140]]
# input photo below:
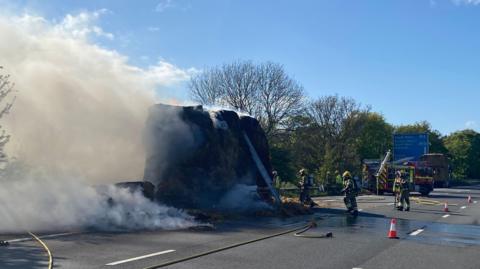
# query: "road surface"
[[429, 238]]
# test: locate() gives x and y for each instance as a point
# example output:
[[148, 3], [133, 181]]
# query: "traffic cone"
[[392, 234], [469, 199], [445, 208]]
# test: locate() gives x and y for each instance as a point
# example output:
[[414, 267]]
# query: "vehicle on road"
[[420, 176], [441, 168]]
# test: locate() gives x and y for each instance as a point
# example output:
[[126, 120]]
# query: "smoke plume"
[[80, 108], [77, 122]]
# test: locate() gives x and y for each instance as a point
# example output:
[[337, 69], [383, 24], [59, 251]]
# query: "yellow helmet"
[[347, 174]]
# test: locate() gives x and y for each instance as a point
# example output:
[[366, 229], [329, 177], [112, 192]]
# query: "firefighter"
[[305, 183], [275, 180], [397, 187], [350, 190], [404, 193], [338, 178], [301, 184], [338, 183]]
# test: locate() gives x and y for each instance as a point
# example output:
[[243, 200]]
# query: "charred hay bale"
[[194, 156]]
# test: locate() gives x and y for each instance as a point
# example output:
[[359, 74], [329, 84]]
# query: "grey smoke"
[[77, 122], [34, 200], [243, 198]]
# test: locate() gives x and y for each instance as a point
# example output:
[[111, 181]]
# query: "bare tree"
[[264, 91], [239, 84], [6, 88], [339, 121], [280, 96], [205, 89], [332, 113]]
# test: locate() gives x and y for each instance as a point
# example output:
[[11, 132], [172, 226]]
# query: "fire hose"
[[49, 253], [429, 202], [312, 224], [298, 232], [44, 246]]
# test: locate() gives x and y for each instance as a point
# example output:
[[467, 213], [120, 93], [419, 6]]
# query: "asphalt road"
[[429, 238]]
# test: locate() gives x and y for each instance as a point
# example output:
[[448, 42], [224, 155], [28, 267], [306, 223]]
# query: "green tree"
[[464, 149], [295, 147], [375, 138], [338, 122]]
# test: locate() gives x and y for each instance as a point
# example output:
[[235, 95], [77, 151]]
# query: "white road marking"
[[474, 202], [357, 268], [141, 257], [463, 207], [417, 232], [391, 203], [360, 210], [17, 240], [446, 216]]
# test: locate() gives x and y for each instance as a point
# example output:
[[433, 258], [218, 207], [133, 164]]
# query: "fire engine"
[[378, 176]]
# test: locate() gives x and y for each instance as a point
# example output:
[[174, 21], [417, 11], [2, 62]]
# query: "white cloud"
[[466, 2], [82, 25], [164, 73], [79, 26], [163, 5], [80, 108]]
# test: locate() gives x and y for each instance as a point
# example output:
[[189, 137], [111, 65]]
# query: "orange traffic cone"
[[392, 234], [469, 199], [445, 208]]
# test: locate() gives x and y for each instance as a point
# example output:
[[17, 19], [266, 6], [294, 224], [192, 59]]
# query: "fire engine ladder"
[[383, 166]]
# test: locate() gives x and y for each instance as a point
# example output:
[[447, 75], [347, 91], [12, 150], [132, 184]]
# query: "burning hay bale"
[[195, 156]]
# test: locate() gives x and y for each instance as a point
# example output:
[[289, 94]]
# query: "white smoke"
[[80, 108], [77, 122], [243, 198], [33, 200]]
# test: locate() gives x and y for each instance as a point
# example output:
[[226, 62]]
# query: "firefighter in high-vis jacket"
[[396, 189], [405, 193], [350, 190], [401, 188]]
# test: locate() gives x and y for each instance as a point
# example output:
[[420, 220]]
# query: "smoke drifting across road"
[[32, 199], [77, 122]]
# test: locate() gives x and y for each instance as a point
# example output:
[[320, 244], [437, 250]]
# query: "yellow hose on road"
[[429, 202], [49, 253]]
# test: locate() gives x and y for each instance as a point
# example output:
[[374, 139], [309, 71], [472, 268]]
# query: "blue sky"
[[411, 60]]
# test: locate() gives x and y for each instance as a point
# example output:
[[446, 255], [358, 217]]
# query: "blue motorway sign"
[[409, 147]]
